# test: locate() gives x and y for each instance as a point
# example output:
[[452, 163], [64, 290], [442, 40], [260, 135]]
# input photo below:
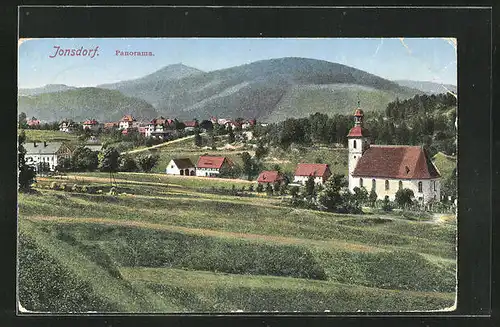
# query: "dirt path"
[[210, 232], [160, 145]]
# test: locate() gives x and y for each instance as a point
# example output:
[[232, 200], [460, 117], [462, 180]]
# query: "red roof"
[[107, 125], [358, 131], [33, 122], [190, 123], [269, 176], [128, 118], [210, 162], [316, 170], [358, 113], [90, 122], [391, 161]]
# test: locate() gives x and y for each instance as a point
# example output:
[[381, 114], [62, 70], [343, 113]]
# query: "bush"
[[84, 189]]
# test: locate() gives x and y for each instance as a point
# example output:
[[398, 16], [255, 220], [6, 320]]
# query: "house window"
[[419, 187], [434, 183], [354, 145], [400, 185], [360, 182], [386, 185], [374, 184]]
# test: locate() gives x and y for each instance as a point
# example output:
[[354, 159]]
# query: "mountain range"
[[269, 90]]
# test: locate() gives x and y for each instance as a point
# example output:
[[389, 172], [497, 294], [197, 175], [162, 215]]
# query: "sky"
[[420, 59]]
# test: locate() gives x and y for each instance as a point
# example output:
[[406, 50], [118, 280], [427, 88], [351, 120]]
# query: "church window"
[[374, 184], [400, 185], [386, 185], [360, 182], [354, 144], [354, 157], [434, 183], [419, 187]]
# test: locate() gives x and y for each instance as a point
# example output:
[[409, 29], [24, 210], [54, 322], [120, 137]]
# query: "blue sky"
[[420, 59]]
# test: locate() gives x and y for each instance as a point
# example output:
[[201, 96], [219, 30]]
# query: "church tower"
[[358, 141]]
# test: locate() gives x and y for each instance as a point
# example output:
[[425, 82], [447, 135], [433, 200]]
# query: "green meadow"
[[167, 244]]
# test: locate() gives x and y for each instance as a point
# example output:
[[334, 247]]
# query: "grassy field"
[[47, 135], [166, 244]]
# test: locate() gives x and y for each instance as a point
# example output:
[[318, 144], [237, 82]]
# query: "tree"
[[84, 159], [310, 186], [231, 137], [22, 120], [207, 125], [330, 197], [386, 205], [127, 163], [248, 165], [147, 161], [260, 152], [372, 198], [26, 172], [197, 137], [404, 197], [269, 189], [109, 160], [294, 191], [277, 187], [260, 188], [360, 195]]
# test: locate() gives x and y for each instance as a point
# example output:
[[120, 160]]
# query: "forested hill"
[[269, 90], [84, 103], [427, 120]]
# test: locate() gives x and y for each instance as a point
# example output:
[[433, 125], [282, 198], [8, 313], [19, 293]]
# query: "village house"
[[183, 167], [389, 168], [126, 122], [270, 177], [46, 153], [320, 173], [190, 125], [111, 125], [33, 122], [67, 126], [160, 128], [91, 124], [211, 166]]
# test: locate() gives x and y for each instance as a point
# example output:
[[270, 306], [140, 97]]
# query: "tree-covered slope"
[[84, 103]]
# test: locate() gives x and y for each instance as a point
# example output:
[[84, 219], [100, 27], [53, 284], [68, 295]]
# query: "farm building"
[[45, 153], [183, 167], [320, 172], [270, 177], [388, 168], [212, 166]]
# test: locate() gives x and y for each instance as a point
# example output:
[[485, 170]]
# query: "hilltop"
[[46, 89], [268, 90], [148, 87], [428, 87], [82, 103]]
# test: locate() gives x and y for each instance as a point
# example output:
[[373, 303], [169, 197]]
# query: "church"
[[388, 168]]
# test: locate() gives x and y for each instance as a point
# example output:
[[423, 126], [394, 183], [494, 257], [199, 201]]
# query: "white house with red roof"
[[388, 168], [91, 124], [126, 122], [320, 173], [211, 166], [160, 128]]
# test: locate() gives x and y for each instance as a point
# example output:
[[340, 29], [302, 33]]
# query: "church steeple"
[[358, 143]]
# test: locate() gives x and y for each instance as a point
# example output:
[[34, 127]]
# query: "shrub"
[[85, 189], [260, 188], [76, 188]]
